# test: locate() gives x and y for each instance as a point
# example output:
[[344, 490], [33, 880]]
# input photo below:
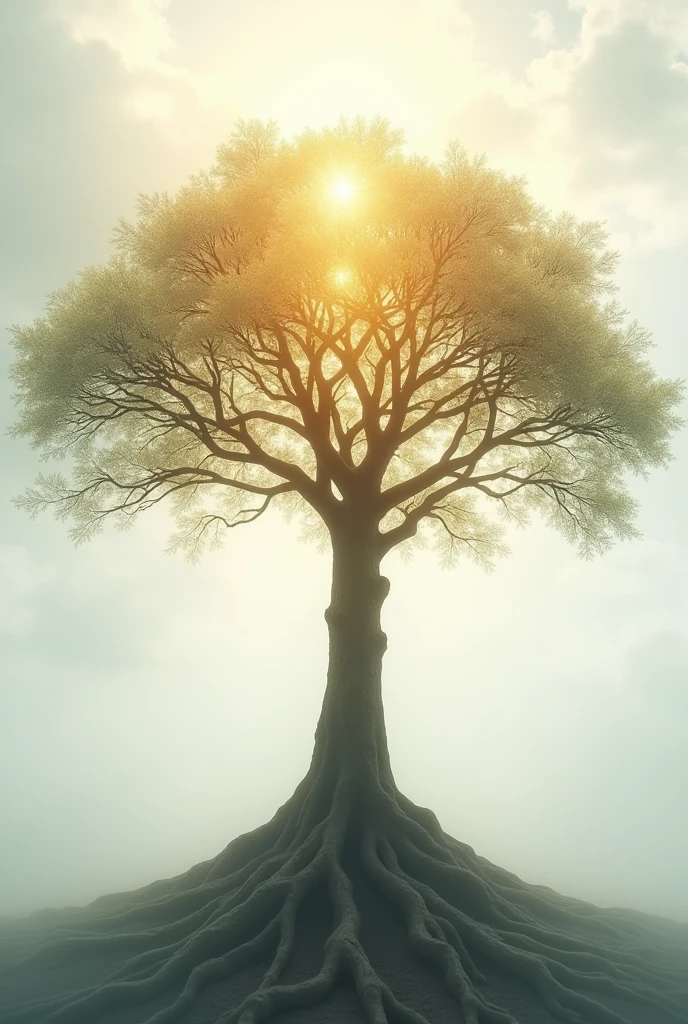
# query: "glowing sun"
[[342, 189]]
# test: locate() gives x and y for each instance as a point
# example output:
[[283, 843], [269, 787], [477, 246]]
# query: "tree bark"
[[351, 739]]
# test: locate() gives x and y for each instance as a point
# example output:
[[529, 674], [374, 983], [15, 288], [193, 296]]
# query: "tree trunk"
[[350, 739]]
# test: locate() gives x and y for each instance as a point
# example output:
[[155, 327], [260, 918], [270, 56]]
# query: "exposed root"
[[242, 907]]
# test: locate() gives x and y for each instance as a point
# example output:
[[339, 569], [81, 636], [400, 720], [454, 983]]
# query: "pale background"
[[151, 710]]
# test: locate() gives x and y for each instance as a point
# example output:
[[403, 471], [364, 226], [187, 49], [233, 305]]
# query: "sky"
[[151, 710]]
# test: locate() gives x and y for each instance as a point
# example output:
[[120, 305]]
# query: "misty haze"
[[154, 706]]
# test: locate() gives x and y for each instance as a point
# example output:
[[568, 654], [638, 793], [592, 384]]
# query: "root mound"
[[464, 917]]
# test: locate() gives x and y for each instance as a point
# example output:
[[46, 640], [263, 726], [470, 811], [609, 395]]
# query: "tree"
[[393, 350]]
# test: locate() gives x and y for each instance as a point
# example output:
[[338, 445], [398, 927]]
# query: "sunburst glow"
[[342, 276], [343, 189]]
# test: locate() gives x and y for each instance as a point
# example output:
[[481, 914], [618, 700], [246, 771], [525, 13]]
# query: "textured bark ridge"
[[241, 907]]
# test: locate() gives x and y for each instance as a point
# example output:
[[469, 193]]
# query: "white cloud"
[[181, 104], [612, 110], [137, 30], [629, 130], [599, 126], [543, 27], [604, 16]]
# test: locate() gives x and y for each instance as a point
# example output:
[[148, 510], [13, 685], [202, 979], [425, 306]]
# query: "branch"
[[195, 537], [140, 494], [552, 486], [558, 421]]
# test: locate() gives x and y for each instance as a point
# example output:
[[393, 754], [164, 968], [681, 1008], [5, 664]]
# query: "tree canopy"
[[330, 325]]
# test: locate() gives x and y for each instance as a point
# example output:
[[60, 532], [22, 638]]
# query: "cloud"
[[543, 27], [73, 118], [600, 17], [629, 110], [598, 122], [608, 119], [137, 30], [624, 93], [157, 88]]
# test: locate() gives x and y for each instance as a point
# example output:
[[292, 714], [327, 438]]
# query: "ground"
[[334, 911]]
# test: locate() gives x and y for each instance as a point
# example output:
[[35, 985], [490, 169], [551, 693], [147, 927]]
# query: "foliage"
[[434, 348]]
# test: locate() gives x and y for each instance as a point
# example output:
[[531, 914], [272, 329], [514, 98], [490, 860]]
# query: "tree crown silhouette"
[[336, 328]]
